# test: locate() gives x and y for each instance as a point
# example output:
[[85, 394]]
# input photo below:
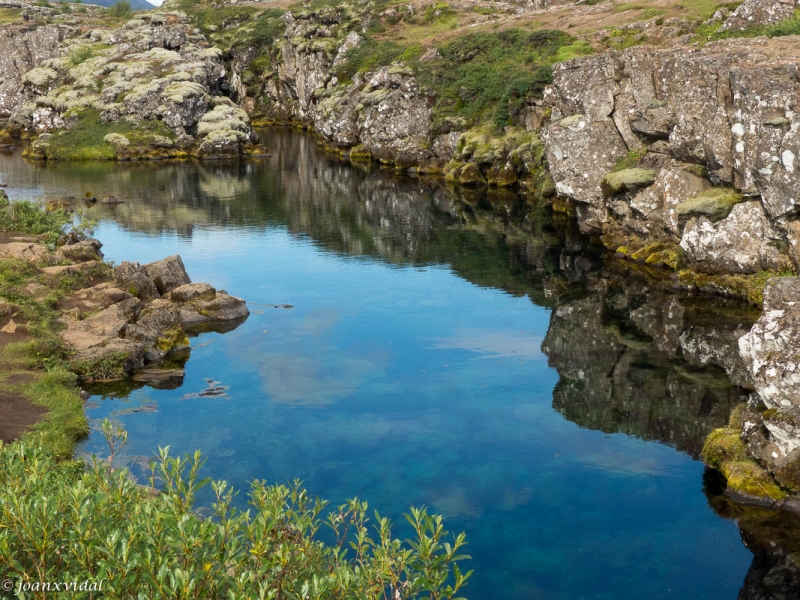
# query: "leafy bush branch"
[[60, 520]]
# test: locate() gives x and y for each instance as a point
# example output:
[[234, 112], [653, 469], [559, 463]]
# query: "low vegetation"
[[37, 367], [481, 76], [88, 138], [121, 9], [95, 523]]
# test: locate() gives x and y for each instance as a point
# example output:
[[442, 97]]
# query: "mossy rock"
[[501, 177], [172, 339], [749, 287], [360, 153], [725, 451], [628, 180], [567, 121], [470, 174], [788, 475], [714, 204], [696, 170]]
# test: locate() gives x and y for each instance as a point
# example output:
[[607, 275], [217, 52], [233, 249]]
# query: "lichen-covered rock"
[[770, 349], [168, 273], [132, 277], [580, 152], [150, 70], [743, 242], [82, 251], [771, 355], [759, 12], [727, 112], [20, 52]]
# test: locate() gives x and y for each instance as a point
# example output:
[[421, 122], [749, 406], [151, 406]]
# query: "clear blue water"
[[410, 371]]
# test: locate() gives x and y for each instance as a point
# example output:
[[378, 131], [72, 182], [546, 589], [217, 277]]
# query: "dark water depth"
[[410, 344]]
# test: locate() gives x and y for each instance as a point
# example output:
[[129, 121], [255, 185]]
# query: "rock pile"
[[135, 317], [154, 70], [148, 311]]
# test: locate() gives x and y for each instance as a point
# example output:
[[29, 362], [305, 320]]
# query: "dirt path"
[[17, 413]]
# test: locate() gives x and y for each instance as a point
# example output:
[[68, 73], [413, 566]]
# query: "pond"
[[411, 344]]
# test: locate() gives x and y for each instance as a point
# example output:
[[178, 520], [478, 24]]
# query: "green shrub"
[[30, 217], [266, 29], [62, 521], [81, 54], [790, 26], [480, 76], [368, 55], [121, 9]]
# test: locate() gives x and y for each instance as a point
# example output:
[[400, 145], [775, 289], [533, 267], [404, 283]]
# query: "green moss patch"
[[714, 204], [725, 451], [628, 180], [172, 339], [85, 140]]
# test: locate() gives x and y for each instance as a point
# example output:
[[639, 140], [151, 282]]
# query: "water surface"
[[410, 344]]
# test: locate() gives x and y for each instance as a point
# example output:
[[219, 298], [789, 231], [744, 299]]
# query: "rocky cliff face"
[[22, 49], [384, 113], [151, 88], [690, 147]]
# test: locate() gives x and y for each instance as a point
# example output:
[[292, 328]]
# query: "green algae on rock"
[[725, 451]]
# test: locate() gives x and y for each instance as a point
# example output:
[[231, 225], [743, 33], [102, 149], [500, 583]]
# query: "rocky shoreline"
[[134, 317]]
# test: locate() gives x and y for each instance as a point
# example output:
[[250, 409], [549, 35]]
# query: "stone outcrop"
[[22, 49], [760, 12], [710, 124], [139, 328], [155, 75], [771, 426]]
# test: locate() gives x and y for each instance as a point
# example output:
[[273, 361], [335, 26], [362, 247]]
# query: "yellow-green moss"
[[725, 451], [360, 153], [657, 254], [749, 287], [172, 339], [715, 204], [628, 180]]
